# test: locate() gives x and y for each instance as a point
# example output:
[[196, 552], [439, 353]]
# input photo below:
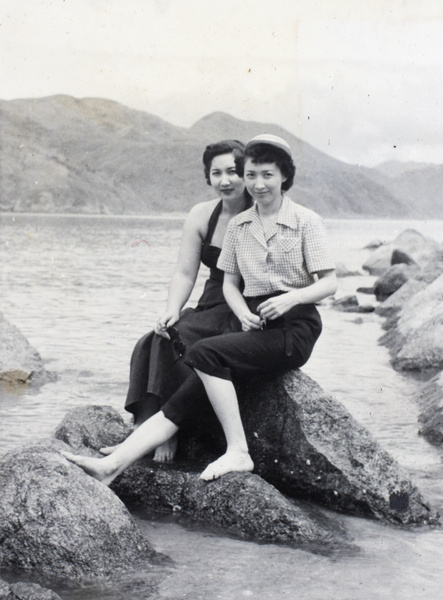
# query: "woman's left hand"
[[275, 307]]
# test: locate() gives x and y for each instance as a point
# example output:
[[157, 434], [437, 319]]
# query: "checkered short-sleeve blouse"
[[286, 258]]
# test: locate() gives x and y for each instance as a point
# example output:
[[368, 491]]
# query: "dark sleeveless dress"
[[157, 370]]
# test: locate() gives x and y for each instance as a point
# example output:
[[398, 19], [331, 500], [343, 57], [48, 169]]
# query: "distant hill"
[[418, 184], [62, 154]]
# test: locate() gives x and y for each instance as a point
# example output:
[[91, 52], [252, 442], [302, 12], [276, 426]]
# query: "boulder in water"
[[401, 258], [419, 248], [82, 429], [373, 244], [341, 270], [25, 591], [395, 302], [19, 361], [431, 415], [351, 304], [58, 523], [393, 279], [415, 336], [309, 446], [241, 504]]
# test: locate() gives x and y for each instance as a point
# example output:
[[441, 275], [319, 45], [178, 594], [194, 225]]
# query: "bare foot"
[[166, 452], [96, 467], [231, 461], [107, 450]]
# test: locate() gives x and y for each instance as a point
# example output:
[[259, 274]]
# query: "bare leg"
[[151, 434], [223, 397], [143, 410], [166, 452], [107, 450], [163, 454]]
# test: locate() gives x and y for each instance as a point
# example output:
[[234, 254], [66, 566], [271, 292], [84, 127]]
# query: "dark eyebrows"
[[252, 170]]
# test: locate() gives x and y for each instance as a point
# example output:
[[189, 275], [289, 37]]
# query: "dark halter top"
[[210, 254]]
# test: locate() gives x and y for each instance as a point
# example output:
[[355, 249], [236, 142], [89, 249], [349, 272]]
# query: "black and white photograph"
[[221, 300]]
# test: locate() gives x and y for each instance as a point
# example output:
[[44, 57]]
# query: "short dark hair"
[[265, 153], [234, 147]]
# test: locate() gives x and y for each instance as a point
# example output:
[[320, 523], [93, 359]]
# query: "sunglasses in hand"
[[177, 343]]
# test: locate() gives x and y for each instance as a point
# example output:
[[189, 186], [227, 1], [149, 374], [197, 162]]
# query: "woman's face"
[[263, 181], [224, 178]]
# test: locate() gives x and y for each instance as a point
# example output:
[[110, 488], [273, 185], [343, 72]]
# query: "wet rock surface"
[[19, 362], [411, 300], [341, 270], [396, 301], [392, 280], [415, 334], [308, 445], [82, 429], [302, 442], [431, 415], [351, 304], [417, 247], [59, 523], [240, 504], [25, 591]]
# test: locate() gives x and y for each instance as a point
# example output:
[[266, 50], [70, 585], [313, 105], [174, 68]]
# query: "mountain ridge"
[[97, 156]]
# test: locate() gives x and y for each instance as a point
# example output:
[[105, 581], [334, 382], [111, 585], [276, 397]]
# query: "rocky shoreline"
[[409, 289], [58, 523], [408, 294]]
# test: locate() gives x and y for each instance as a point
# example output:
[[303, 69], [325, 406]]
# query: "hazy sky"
[[362, 81]]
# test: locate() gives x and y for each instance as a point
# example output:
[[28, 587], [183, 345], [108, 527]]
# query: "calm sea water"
[[83, 289]]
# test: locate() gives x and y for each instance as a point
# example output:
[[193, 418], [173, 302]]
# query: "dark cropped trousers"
[[284, 343]]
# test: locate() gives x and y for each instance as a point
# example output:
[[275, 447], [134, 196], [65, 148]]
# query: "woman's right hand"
[[168, 319], [250, 322]]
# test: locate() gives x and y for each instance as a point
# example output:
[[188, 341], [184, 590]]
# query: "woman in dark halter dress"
[[276, 266], [157, 368]]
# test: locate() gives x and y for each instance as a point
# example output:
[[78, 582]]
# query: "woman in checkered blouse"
[[280, 250]]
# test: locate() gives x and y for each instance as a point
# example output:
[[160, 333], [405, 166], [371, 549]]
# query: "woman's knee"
[[199, 350], [143, 344]]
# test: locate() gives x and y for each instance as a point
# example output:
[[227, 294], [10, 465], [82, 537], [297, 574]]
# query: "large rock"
[[351, 304], [19, 361], [393, 279], [60, 523], [241, 504], [25, 591], [415, 336], [398, 299], [373, 244], [341, 270], [309, 446], [89, 428], [401, 258], [433, 268], [431, 415], [419, 248]]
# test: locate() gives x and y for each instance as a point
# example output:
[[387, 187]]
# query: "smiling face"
[[224, 178], [263, 181]]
